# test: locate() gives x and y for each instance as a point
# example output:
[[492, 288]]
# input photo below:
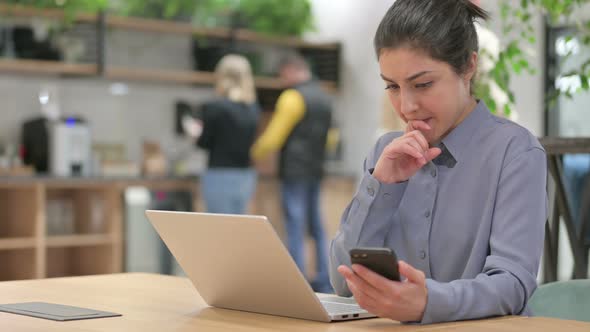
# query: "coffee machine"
[[53, 144], [70, 148]]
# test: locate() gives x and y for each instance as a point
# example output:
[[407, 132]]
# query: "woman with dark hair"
[[459, 195]]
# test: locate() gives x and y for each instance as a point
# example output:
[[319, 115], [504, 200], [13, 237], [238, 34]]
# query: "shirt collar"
[[455, 142]]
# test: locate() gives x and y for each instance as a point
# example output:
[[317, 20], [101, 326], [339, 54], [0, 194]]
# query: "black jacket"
[[302, 156]]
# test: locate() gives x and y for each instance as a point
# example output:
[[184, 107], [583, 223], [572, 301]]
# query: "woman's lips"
[[428, 121]]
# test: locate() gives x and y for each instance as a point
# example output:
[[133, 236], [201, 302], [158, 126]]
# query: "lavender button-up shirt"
[[474, 223]]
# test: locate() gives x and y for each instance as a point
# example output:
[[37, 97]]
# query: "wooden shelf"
[[163, 26], [160, 75], [78, 240], [17, 243], [47, 67], [190, 77], [251, 36], [132, 74], [58, 14], [151, 25]]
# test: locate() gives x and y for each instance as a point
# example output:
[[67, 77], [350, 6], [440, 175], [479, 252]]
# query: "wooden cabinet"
[[20, 225], [89, 213], [91, 245]]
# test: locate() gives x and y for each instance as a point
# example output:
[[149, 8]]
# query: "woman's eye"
[[424, 85], [392, 87]]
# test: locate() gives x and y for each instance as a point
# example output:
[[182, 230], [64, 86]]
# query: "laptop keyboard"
[[339, 299], [338, 306]]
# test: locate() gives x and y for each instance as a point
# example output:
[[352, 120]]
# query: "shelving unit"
[[326, 53], [161, 26], [56, 14], [17, 243], [80, 260], [23, 66], [159, 75], [30, 247], [191, 77], [79, 240], [18, 264], [20, 225]]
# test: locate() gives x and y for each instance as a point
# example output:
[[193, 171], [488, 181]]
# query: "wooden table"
[[151, 302], [555, 148]]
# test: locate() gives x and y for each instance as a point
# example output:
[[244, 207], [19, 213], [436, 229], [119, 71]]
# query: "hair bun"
[[475, 11]]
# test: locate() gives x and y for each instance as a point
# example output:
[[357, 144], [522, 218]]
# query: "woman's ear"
[[471, 67]]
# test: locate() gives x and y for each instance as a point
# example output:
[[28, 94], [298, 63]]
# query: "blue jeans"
[[301, 206], [228, 190]]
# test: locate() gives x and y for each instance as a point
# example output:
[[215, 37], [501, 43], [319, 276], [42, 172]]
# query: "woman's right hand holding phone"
[[405, 155]]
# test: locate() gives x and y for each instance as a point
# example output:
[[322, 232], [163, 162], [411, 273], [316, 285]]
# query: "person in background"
[[226, 128], [459, 195], [299, 129]]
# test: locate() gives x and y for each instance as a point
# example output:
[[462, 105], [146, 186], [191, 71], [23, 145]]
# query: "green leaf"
[[507, 110], [511, 97], [504, 10], [491, 103], [584, 80], [516, 67]]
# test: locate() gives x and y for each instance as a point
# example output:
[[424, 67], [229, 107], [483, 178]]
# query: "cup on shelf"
[[60, 217]]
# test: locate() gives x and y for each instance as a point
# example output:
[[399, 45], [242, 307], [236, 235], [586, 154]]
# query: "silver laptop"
[[238, 262]]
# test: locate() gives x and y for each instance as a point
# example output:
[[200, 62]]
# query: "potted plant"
[[70, 7], [280, 18], [179, 10], [518, 33], [36, 41], [268, 17]]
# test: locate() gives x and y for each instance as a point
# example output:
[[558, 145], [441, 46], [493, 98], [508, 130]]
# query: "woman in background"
[[226, 128]]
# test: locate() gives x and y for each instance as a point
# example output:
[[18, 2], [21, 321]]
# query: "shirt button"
[[427, 214], [422, 254], [433, 173], [370, 191]]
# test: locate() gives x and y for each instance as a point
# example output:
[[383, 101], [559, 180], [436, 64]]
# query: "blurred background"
[[93, 94]]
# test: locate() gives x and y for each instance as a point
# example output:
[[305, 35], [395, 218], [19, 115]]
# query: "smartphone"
[[380, 260]]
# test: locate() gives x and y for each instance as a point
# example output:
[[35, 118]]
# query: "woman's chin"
[[433, 140]]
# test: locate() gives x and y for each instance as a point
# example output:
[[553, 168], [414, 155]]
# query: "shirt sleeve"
[[508, 277], [289, 111], [368, 217]]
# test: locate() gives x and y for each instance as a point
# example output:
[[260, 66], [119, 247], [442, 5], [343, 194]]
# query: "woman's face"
[[422, 88]]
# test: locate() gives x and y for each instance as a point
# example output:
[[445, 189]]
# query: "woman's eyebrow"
[[409, 79]]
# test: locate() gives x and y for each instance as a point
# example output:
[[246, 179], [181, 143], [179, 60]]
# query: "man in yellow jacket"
[[299, 129]]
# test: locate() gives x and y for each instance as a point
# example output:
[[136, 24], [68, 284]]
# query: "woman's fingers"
[[419, 137], [416, 144], [432, 153], [408, 149]]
